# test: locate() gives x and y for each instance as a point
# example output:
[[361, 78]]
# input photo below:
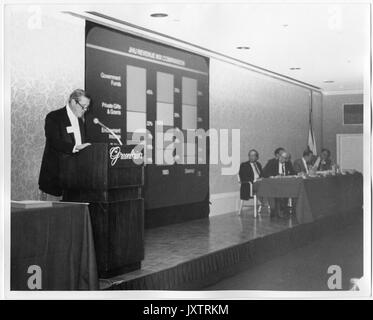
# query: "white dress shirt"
[[255, 170], [75, 127], [281, 168]]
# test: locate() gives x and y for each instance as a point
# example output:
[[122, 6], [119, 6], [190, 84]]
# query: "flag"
[[311, 141], [311, 135]]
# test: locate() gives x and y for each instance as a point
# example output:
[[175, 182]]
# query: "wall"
[[269, 113], [333, 119], [46, 56]]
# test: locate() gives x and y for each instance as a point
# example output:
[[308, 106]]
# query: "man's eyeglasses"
[[84, 108]]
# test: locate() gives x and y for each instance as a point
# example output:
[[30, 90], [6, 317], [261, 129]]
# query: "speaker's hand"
[[82, 146]]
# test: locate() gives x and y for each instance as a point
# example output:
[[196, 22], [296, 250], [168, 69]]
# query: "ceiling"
[[327, 42]]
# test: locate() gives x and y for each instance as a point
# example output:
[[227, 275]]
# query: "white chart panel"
[[165, 113], [189, 117], [136, 89], [135, 121]]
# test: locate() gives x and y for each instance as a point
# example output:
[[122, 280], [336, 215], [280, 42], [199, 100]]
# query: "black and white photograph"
[[186, 150]]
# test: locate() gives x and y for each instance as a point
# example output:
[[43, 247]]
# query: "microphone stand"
[[96, 121]]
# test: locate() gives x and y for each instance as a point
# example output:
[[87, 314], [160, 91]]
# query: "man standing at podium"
[[65, 134]]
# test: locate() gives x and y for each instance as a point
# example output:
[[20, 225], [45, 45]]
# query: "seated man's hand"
[[82, 146]]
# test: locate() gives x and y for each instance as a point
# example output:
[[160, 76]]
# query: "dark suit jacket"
[[327, 165], [299, 166], [271, 168], [59, 143], [246, 174]]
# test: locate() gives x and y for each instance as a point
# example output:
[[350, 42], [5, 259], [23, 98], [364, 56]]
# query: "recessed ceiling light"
[[159, 15], [295, 68], [328, 81], [243, 48], [285, 25]]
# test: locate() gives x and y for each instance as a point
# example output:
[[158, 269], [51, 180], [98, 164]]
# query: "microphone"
[[96, 121]]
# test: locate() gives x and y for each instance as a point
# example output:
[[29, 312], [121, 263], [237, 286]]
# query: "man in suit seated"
[[273, 161], [304, 165], [323, 162], [65, 135], [249, 172], [278, 167]]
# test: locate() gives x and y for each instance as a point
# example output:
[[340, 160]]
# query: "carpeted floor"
[[305, 268]]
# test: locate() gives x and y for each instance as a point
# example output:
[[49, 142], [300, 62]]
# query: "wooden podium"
[[111, 182]]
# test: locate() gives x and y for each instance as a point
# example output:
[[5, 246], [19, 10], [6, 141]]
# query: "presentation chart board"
[[161, 93]]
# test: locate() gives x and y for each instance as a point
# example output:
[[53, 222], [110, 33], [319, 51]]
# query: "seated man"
[[249, 172], [289, 163], [272, 162], [281, 167], [323, 162], [304, 165]]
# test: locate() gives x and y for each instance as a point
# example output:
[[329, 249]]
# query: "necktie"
[[256, 169], [283, 169], [82, 129]]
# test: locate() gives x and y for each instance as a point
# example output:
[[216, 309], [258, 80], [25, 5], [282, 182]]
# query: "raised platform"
[[195, 254]]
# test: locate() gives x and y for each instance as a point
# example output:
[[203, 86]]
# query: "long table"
[[57, 239], [316, 197]]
